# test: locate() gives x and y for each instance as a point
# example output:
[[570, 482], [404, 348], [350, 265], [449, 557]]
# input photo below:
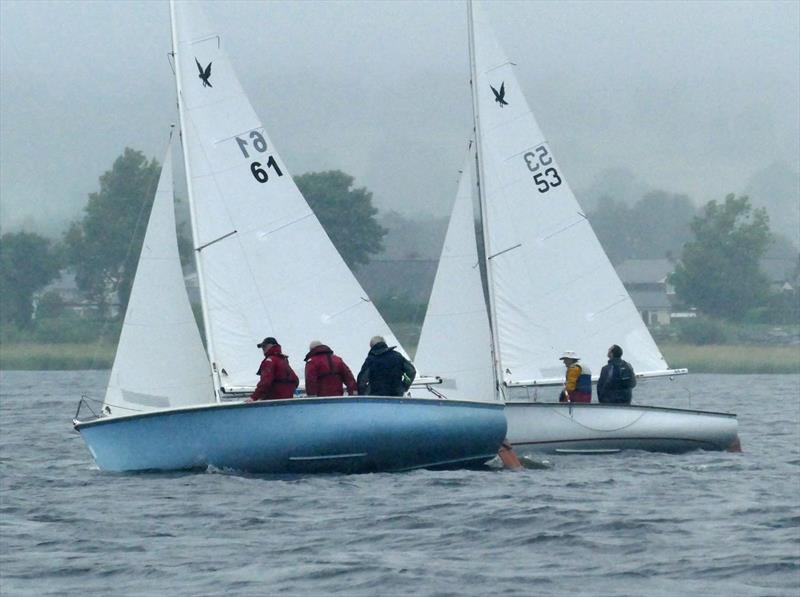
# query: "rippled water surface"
[[633, 523]]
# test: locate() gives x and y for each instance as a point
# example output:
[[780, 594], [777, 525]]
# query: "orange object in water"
[[736, 446], [507, 456]]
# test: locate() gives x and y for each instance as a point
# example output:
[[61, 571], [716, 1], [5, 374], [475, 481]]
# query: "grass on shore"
[[698, 359], [56, 357], [733, 358]]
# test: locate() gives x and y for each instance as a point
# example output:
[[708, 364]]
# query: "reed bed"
[[733, 358], [42, 357], [698, 359]]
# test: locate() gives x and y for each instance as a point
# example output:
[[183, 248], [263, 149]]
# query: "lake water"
[[703, 523]]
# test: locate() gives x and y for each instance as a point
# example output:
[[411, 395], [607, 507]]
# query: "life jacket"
[[616, 382], [579, 378], [584, 383], [578, 385], [625, 375], [326, 373], [383, 372], [278, 380]]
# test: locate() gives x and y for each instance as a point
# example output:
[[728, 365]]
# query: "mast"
[[192, 207], [497, 367]]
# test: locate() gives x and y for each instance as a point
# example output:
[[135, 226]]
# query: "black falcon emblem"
[[205, 74], [499, 96]]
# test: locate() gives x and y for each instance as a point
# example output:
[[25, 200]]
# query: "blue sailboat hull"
[[307, 435]]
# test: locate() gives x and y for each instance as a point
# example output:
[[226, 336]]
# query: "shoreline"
[[27, 356], [733, 358], [728, 358]]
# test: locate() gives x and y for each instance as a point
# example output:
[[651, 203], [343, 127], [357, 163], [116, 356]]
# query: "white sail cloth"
[[554, 287], [267, 266], [455, 343], [160, 360]]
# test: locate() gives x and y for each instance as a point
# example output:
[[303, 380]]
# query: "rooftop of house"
[[779, 270], [64, 285], [650, 299], [644, 271]]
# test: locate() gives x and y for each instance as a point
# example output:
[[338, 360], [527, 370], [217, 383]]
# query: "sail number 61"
[[537, 162], [260, 145]]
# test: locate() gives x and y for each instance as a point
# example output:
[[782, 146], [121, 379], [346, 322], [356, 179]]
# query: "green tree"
[[346, 213], [50, 306], [27, 263], [104, 246], [719, 268]]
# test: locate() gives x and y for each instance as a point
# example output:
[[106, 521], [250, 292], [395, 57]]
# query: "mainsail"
[[265, 264], [160, 360], [552, 287]]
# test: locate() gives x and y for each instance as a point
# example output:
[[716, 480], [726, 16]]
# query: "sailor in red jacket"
[[278, 380], [326, 373]]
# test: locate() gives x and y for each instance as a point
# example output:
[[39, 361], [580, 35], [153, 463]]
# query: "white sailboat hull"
[[603, 428]]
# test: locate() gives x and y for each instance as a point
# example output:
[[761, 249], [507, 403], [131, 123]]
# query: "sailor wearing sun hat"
[[578, 382]]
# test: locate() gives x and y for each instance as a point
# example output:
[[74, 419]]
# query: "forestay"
[[160, 360], [455, 343], [554, 288], [267, 266]]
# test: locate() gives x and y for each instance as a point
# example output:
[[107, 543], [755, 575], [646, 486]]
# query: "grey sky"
[[692, 97]]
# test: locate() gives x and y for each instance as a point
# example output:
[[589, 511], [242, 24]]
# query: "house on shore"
[[783, 273], [647, 281], [66, 289]]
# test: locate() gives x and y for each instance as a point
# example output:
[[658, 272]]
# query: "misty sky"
[[692, 97]]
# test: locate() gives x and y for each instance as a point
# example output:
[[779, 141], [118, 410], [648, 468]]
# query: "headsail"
[[160, 360], [553, 285], [454, 343], [267, 266]]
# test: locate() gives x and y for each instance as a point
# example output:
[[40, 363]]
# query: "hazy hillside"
[[412, 238], [777, 187], [619, 184]]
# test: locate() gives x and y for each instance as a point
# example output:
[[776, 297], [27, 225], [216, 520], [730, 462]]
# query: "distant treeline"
[[717, 251]]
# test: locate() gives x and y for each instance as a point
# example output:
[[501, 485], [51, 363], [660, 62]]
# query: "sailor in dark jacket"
[[385, 372], [617, 379]]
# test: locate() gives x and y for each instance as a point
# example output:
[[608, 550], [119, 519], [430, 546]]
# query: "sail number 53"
[[260, 145], [537, 162]]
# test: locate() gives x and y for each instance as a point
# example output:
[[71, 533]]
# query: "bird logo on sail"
[[205, 74], [499, 96]]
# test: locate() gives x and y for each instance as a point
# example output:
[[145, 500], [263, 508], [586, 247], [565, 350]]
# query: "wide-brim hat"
[[569, 354]]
